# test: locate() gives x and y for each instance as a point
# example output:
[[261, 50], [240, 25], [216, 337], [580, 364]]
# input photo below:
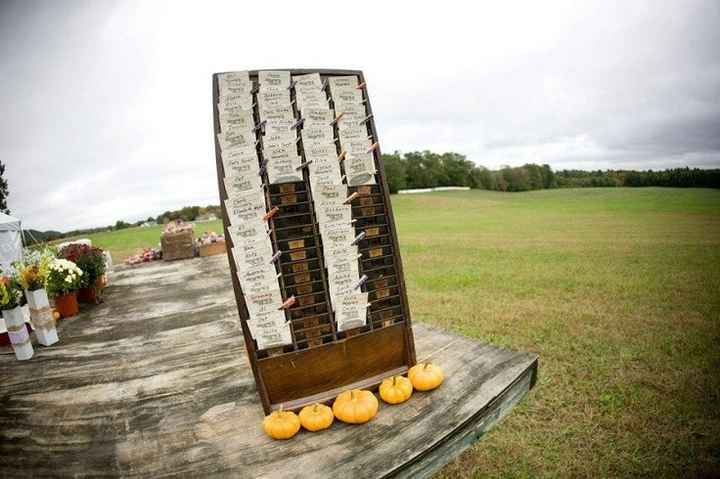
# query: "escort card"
[[318, 117], [283, 162], [310, 81], [235, 139], [274, 79], [240, 184], [247, 231], [228, 102], [263, 302], [330, 194], [321, 135], [241, 120], [333, 213], [240, 161], [254, 254], [282, 112], [268, 99], [351, 310], [342, 83], [360, 169], [269, 332], [257, 280], [234, 79], [245, 206], [345, 96]]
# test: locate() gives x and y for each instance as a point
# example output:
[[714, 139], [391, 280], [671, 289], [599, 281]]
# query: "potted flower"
[[31, 275], [11, 300], [91, 261], [63, 280]]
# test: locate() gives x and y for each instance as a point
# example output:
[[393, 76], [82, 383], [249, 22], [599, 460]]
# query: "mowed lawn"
[[617, 290], [129, 241]]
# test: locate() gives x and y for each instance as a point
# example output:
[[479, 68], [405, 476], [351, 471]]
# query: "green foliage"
[[395, 172], [120, 225], [64, 277]]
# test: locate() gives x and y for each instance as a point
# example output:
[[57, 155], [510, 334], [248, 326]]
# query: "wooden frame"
[[322, 361]]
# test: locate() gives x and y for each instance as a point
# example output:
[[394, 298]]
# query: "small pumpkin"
[[316, 417], [355, 406], [56, 314], [426, 376], [396, 389], [281, 424]]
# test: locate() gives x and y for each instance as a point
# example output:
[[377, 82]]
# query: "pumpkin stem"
[[394, 380], [426, 365], [315, 407], [352, 395]]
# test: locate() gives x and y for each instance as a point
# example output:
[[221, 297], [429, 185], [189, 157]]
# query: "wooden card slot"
[[381, 293], [372, 263], [293, 232], [382, 313], [332, 366], [379, 270], [296, 266]]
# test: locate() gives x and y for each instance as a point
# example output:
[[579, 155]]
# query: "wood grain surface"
[[155, 382]]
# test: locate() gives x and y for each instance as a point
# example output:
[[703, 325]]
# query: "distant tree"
[[395, 172], [3, 190], [150, 219], [120, 224]]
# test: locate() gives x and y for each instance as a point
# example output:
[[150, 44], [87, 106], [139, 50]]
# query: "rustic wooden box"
[[179, 245], [321, 361]]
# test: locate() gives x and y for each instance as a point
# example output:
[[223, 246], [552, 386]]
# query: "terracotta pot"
[[67, 304], [87, 295], [91, 294]]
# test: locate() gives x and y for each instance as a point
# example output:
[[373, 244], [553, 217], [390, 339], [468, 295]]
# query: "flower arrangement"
[[89, 259], [32, 270], [210, 237], [63, 277], [11, 295]]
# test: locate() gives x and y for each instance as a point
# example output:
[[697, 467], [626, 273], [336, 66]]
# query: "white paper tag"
[[253, 253], [247, 231], [239, 184], [263, 302], [274, 79], [246, 206], [240, 161], [350, 310]]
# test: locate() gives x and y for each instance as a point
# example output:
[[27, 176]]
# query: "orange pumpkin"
[[396, 389], [426, 376], [316, 417], [355, 406], [281, 424]]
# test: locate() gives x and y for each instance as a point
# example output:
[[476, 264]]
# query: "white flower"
[[68, 279]]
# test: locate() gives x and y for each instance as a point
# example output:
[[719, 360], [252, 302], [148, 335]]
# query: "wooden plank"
[[156, 382]]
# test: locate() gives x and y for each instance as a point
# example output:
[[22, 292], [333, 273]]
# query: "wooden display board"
[[321, 360]]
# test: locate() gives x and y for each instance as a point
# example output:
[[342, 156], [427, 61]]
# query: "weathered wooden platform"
[[155, 382]]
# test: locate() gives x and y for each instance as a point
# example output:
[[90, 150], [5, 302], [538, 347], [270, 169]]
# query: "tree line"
[[428, 170]]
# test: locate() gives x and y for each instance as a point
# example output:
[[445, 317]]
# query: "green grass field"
[[129, 241], [617, 290]]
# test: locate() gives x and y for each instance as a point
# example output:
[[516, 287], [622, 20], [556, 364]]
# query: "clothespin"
[[366, 119], [292, 84], [261, 126], [288, 303], [373, 147], [358, 238], [337, 118], [297, 123], [271, 213], [361, 86], [363, 280], [341, 156], [303, 165], [275, 257], [350, 198]]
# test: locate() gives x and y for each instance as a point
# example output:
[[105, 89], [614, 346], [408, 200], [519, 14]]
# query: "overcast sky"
[[106, 106]]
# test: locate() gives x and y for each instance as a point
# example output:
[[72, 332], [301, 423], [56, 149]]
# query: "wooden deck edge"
[[467, 433]]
